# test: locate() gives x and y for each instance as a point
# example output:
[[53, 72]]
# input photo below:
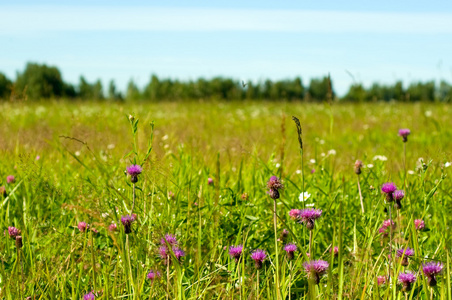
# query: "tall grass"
[[79, 176]]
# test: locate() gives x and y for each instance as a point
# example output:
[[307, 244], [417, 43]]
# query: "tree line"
[[39, 81]]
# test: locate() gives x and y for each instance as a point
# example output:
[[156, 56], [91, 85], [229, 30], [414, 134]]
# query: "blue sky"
[[354, 41]]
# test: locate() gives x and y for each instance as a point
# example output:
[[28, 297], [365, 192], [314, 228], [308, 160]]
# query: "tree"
[[40, 81], [5, 86], [319, 89]]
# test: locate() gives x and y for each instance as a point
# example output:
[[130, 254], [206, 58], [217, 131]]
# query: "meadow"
[[189, 224]]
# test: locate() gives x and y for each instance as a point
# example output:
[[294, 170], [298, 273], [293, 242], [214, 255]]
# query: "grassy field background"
[[69, 159]]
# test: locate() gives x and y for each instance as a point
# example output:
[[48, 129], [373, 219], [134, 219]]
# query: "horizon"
[[360, 43]]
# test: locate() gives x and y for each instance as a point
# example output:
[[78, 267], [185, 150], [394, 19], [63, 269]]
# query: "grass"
[[84, 149]]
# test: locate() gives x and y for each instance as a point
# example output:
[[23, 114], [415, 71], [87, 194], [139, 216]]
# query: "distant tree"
[[445, 92], [356, 93], [5, 86], [133, 93], [40, 81], [113, 94], [421, 91], [89, 91], [319, 89]]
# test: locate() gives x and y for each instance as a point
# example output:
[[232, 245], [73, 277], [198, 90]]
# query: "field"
[[205, 174]]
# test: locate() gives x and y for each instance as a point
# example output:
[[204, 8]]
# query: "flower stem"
[[276, 250], [360, 196], [133, 198], [257, 285]]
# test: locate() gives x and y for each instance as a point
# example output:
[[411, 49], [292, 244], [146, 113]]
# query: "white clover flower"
[[332, 152], [411, 172], [312, 161], [322, 142], [322, 154], [304, 196], [310, 205], [428, 113], [77, 153], [370, 166], [447, 164], [278, 165], [111, 146], [298, 171], [380, 157], [165, 137]]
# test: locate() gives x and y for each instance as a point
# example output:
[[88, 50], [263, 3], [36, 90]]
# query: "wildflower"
[[332, 152], [406, 279], [304, 196], [82, 226], [38, 157], [152, 275], [170, 195], [358, 166], [127, 221], [10, 179], [236, 252], [312, 171], [13, 232], [89, 296], [258, 256], [163, 252], [315, 269], [170, 239], [94, 230], [18, 242], [134, 171], [389, 188], [381, 280], [431, 269], [386, 224], [335, 251], [178, 253], [447, 164], [370, 166], [244, 196], [113, 227], [407, 252], [209, 181], [380, 157], [312, 161], [274, 184], [419, 224], [308, 216], [404, 133], [398, 196], [3, 191], [290, 249]]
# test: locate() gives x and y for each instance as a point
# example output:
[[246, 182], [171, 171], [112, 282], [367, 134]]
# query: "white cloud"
[[15, 19]]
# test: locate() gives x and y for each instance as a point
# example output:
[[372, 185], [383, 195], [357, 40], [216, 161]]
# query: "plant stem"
[[310, 245], [133, 198], [257, 287], [290, 277], [93, 261], [276, 250], [167, 278]]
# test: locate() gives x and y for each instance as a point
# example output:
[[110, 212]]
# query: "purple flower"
[[89, 296], [178, 252], [419, 224], [406, 279], [389, 188], [384, 227], [127, 221], [404, 133], [10, 179], [170, 195], [405, 253], [381, 280], [236, 252], [274, 185], [398, 194], [335, 251], [82, 226], [308, 216], [294, 213], [113, 227], [13, 232], [170, 239], [258, 256], [209, 181], [163, 252], [431, 269], [290, 249], [152, 275], [315, 269], [134, 171]]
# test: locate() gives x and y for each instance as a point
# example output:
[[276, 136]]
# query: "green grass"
[[85, 148]]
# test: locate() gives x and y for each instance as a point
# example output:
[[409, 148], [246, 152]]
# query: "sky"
[[353, 41]]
